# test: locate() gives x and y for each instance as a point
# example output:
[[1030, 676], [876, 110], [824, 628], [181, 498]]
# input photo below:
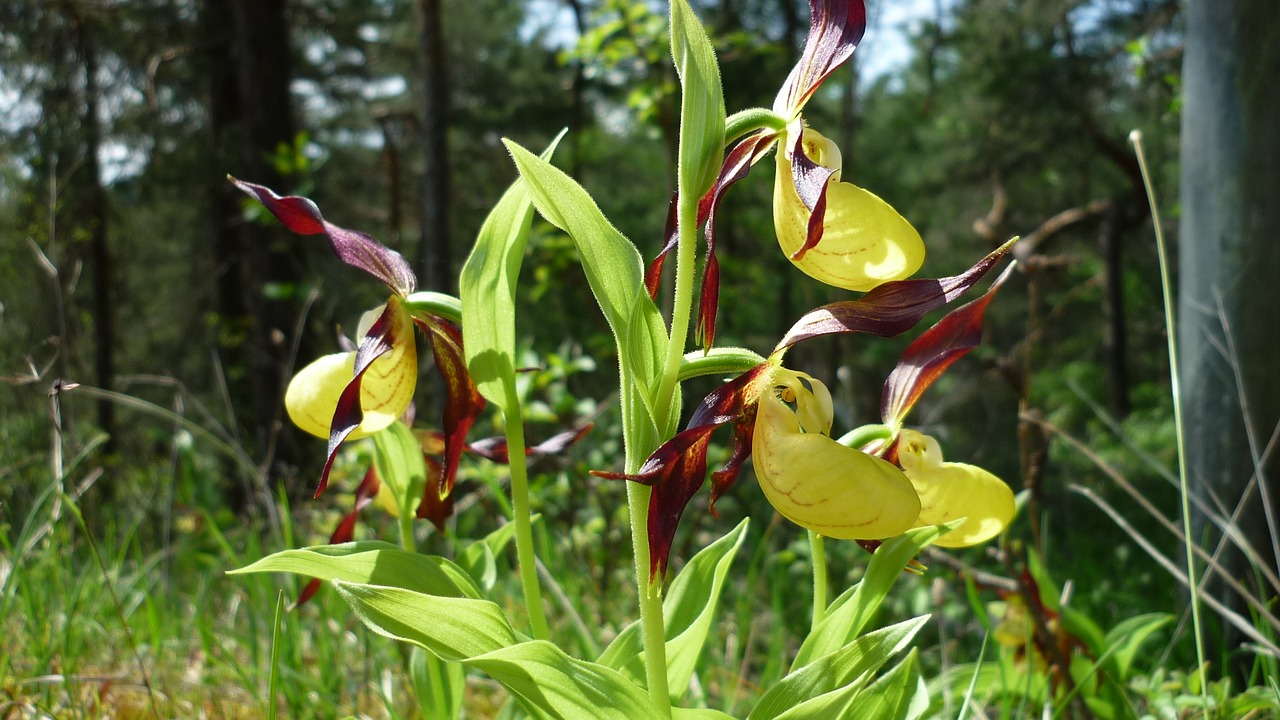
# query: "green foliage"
[[1022, 105]]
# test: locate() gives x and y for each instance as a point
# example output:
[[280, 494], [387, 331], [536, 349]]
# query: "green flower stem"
[[861, 436], [718, 361], [651, 621], [750, 120], [522, 517], [405, 521], [434, 303], [686, 257], [818, 551]]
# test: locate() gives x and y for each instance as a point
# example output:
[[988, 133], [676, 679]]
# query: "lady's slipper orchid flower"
[[385, 393], [833, 231], [837, 233], [816, 482], [354, 394], [783, 418], [947, 490]]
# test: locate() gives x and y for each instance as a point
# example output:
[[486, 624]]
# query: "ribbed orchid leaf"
[[897, 695], [353, 247], [615, 273], [401, 466], [688, 608], [926, 358], [452, 628], [487, 288], [345, 530], [550, 684], [850, 613], [849, 668], [372, 562], [892, 308]]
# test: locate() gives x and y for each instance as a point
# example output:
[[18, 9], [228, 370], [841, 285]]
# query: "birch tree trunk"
[[1229, 315]]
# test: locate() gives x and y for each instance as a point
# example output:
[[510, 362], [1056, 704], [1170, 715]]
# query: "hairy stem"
[[651, 621], [525, 557], [818, 551]]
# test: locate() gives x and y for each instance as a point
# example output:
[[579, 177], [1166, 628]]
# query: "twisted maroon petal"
[[354, 248], [464, 403], [890, 309], [925, 359], [835, 29]]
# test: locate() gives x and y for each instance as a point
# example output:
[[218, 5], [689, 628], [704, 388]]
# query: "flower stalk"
[[522, 517], [818, 554]]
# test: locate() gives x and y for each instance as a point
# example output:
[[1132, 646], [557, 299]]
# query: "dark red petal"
[[835, 29], [737, 163], [464, 403], [708, 304], [355, 248], [561, 441], [653, 274], [811, 181], [925, 359], [677, 469], [348, 414], [495, 448], [437, 502], [743, 433], [890, 309]]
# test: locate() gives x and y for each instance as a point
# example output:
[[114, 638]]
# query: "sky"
[[884, 49]]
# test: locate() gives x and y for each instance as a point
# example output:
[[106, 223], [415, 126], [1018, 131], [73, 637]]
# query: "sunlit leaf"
[[374, 563]]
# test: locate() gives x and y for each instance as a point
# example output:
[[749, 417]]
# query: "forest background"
[[149, 317]]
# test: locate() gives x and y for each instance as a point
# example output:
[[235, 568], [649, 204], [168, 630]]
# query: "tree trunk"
[[434, 258], [1230, 260], [94, 219], [260, 43], [1114, 337]]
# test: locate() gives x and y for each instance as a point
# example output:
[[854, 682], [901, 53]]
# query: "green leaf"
[[401, 466], [895, 696], [550, 684], [439, 685], [850, 612], [687, 609], [479, 559], [849, 667], [699, 714], [487, 287], [1129, 635], [372, 562], [701, 105], [614, 271], [451, 628]]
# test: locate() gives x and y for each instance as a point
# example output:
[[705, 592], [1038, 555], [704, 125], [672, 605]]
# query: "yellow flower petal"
[[820, 484], [385, 393], [865, 242], [949, 491]]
